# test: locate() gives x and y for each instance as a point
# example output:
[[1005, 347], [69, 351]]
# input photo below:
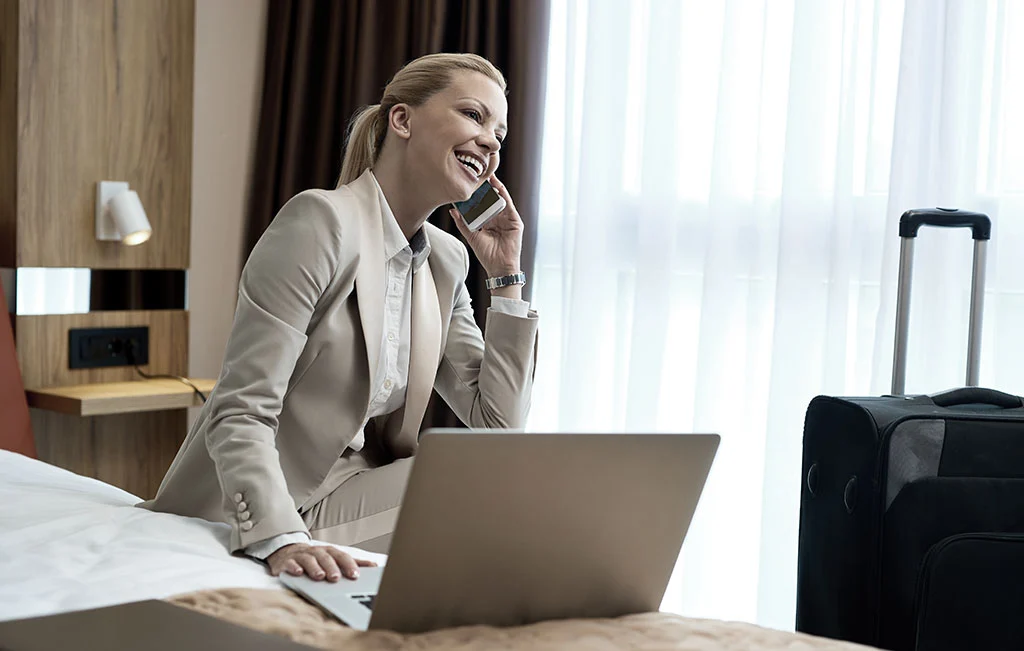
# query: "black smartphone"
[[481, 207]]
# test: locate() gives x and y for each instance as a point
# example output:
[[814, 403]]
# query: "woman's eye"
[[472, 115]]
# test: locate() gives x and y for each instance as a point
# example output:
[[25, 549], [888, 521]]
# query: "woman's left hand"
[[499, 243]]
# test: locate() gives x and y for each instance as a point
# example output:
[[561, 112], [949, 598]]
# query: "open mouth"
[[473, 163]]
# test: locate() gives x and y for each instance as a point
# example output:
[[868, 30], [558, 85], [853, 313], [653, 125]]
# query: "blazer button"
[[243, 516], [238, 497], [242, 506], [246, 525]]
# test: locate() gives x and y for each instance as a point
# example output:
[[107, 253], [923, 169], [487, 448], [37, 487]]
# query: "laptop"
[[508, 528], [151, 625]]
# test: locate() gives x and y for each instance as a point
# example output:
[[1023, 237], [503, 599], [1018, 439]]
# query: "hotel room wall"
[[229, 47], [102, 91]]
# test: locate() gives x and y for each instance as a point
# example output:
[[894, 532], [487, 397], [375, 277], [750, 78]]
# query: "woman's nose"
[[490, 142]]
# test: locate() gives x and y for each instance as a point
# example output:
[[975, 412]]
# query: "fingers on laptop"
[[328, 563], [346, 563], [291, 566], [310, 565], [318, 563]]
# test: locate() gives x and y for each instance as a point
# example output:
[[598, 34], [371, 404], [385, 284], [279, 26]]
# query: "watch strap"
[[518, 278]]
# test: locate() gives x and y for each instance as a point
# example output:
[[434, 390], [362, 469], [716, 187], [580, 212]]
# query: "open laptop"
[[507, 528]]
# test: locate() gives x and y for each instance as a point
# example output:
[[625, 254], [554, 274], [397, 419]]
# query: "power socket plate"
[[100, 347]]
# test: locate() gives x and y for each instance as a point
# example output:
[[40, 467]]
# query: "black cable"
[[172, 377], [129, 355]]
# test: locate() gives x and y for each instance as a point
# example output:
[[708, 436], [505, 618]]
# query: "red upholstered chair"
[[15, 427]]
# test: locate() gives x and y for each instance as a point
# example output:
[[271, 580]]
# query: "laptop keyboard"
[[365, 599]]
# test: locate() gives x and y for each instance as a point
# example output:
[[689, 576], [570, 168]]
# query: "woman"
[[351, 309]]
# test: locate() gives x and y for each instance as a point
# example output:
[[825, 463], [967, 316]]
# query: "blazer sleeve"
[[287, 272], [487, 379]]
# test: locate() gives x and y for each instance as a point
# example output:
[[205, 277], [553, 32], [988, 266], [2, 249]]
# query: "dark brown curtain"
[[327, 58]]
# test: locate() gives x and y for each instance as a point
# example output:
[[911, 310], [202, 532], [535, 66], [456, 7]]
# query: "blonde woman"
[[351, 309]]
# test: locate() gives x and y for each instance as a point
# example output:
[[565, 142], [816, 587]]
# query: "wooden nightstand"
[[119, 397]]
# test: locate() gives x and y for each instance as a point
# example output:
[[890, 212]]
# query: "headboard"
[[15, 426]]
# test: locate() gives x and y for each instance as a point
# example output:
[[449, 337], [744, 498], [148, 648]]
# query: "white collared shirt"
[[402, 259]]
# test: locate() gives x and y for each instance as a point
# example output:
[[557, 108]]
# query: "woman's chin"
[[460, 190]]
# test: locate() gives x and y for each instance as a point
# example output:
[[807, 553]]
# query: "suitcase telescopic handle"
[[977, 396], [913, 220], [981, 231]]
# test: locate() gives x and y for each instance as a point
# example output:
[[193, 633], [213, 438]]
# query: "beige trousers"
[[362, 511]]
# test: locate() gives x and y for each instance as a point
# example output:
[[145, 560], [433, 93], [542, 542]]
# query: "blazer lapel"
[[425, 351], [370, 272]]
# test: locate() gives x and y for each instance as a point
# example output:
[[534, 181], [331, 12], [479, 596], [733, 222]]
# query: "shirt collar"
[[394, 238]]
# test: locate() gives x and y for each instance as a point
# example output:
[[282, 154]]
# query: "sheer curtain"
[[722, 181]]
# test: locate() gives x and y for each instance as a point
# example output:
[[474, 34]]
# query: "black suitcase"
[[898, 490]]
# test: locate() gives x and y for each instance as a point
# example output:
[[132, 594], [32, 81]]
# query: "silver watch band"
[[518, 278]]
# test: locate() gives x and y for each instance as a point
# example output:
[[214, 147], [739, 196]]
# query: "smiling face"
[[454, 137]]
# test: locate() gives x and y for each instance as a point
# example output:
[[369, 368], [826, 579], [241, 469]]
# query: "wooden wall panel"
[[43, 346], [130, 451], [8, 129], [105, 93]]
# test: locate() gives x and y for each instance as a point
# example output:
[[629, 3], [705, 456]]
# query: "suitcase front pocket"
[[970, 593], [923, 514]]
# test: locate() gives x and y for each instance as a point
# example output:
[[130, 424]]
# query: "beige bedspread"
[[283, 613]]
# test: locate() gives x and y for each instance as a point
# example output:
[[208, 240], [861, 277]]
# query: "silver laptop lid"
[[505, 528]]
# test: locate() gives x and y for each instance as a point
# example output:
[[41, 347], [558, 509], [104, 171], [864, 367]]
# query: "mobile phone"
[[481, 207]]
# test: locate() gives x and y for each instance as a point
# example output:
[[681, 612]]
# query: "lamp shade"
[[129, 218]]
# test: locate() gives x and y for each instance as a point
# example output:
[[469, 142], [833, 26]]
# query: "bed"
[[68, 542]]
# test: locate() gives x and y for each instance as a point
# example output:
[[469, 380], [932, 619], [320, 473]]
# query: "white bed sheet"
[[68, 542]]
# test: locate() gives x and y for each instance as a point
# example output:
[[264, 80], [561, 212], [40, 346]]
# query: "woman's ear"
[[398, 120]]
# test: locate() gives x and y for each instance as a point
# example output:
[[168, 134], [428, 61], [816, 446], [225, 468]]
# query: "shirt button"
[[238, 497], [246, 525], [391, 336], [387, 384]]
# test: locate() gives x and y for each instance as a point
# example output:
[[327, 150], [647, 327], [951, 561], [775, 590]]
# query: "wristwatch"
[[518, 278]]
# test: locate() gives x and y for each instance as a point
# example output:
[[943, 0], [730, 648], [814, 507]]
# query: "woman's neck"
[[405, 199]]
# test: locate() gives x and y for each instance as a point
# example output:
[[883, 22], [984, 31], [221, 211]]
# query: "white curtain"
[[722, 183]]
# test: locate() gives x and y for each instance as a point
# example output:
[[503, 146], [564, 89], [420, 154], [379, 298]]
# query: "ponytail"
[[365, 136]]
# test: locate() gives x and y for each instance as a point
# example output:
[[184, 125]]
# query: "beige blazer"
[[297, 374]]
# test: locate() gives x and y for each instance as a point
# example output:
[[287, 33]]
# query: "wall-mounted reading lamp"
[[119, 214]]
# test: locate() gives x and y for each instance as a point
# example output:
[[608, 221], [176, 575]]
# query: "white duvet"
[[68, 542]]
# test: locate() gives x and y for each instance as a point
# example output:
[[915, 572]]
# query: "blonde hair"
[[413, 84]]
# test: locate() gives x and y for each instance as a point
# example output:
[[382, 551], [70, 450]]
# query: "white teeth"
[[472, 162]]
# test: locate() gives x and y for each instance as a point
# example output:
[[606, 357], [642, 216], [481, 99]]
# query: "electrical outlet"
[[97, 347]]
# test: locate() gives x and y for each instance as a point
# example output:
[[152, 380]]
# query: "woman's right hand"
[[315, 561]]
